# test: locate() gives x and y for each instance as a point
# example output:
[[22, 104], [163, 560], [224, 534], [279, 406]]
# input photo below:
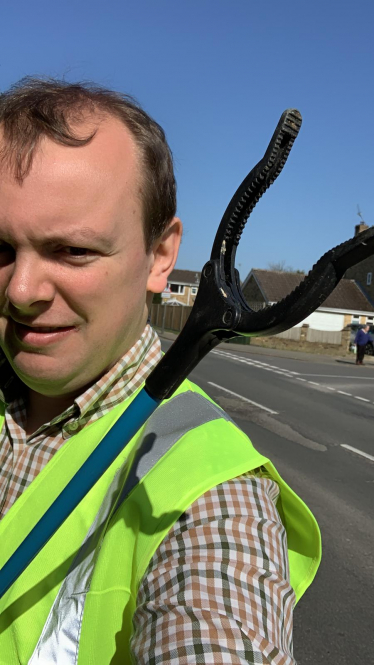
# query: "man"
[[184, 561], [361, 339]]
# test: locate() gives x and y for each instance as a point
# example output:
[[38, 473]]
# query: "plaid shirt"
[[217, 589]]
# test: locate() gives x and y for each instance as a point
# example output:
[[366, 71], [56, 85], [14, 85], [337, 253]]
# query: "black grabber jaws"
[[220, 311]]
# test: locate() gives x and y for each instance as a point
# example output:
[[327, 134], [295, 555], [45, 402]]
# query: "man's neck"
[[42, 409]]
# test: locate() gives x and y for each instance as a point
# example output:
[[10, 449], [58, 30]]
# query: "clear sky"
[[217, 74]]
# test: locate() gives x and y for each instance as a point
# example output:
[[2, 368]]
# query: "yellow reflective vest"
[[75, 601]]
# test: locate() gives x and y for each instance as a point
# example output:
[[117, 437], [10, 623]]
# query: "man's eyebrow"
[[77, 236]]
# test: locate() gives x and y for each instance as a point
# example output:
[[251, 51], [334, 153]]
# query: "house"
[[346, 306], [363, 273], [182, 287]]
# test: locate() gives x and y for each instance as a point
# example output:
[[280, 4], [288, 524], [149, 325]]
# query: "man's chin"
[[44, 378]]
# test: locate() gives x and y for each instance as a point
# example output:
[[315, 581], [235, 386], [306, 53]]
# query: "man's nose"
[[29, 283]]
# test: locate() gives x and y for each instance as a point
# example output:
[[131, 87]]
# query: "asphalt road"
[[303, 414]]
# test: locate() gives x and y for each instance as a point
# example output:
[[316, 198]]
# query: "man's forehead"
[[76, 195], [75, 184], [111, 152]]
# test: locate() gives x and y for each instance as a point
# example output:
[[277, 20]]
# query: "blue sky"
[[217, 74]]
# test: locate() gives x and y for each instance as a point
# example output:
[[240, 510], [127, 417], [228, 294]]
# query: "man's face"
[[72, 255]]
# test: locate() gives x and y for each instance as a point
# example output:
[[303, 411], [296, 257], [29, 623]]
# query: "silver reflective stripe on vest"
[[59, 641]]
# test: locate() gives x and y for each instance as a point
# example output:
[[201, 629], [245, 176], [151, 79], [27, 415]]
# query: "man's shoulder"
[[195, 404], [189, 386]]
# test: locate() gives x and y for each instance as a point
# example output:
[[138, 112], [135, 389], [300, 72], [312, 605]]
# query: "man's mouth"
[[36, 335], [45, 329]]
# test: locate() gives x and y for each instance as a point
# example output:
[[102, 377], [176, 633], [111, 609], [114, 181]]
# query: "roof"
[[187, 277], [275, 285]]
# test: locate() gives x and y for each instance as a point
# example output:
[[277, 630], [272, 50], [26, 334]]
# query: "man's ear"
[[164, 255]]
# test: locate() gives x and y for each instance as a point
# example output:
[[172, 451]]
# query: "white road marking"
[[257, 363], [245, 399], [290, 374], [340, 376], [359, 452]]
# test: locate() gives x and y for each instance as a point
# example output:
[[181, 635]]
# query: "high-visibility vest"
[[75, 601]]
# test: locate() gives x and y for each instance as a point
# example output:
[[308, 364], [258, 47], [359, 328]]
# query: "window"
[[177, 288], [355, 319], [368, 279], [193, 290]]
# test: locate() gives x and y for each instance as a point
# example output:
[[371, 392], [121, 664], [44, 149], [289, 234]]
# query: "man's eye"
[[6, 252], [77, 251], [6, 255]]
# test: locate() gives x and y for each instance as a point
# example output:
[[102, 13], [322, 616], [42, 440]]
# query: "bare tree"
[[280, 266]]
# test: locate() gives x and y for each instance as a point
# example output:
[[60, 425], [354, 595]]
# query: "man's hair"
[[37, 107]]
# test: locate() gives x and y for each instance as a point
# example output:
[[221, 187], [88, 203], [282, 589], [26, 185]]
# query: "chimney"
[[359, 228]]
